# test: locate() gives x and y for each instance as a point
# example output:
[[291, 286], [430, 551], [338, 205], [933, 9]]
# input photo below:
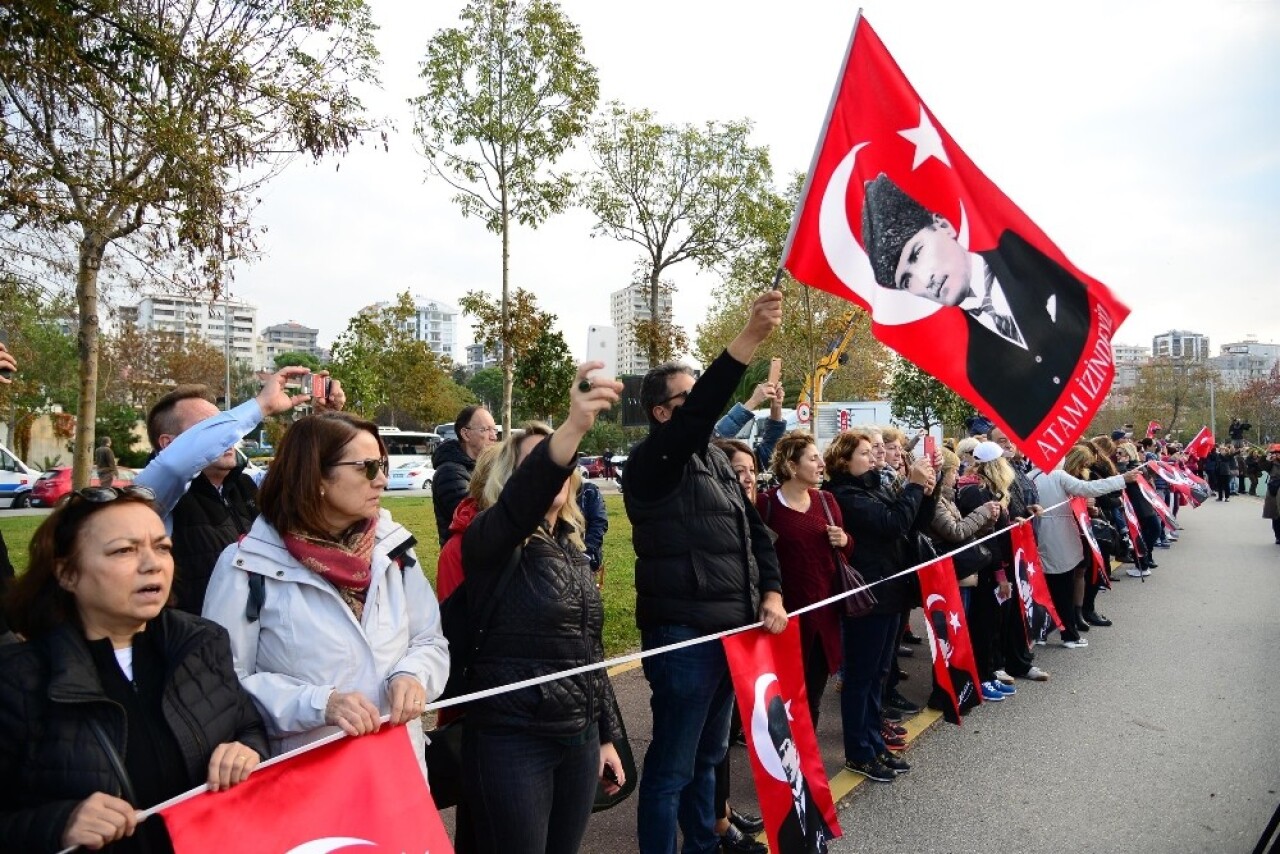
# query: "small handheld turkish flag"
[[955, 671], [1135, 529], [1100, 573], [367, 792], [896, 218], [795, 797], [1152, 428], [1157, 504], [1041, 616]]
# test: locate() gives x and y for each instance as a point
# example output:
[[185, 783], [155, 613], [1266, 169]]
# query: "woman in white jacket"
[[332, 622], [1061, 550]]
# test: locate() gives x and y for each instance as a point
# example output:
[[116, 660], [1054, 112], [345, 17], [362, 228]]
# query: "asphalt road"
[[1159, 737]]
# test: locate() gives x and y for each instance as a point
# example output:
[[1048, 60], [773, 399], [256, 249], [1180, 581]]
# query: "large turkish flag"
[[896, 218], [365, 794]]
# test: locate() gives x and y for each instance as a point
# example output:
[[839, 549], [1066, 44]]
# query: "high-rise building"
[[1243, 361], [1181, 345], [1128, 359], [436, 323], [288, 337], [200, 320], [627, 307], [479, 358]]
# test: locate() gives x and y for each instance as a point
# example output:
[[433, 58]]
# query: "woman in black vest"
[[103, 658]]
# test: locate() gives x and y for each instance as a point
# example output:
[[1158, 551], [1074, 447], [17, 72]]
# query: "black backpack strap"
[[257, 597], [400, 554], [486, 614]]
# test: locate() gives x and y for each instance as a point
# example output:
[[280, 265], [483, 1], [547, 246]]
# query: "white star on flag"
[[926, 140], [955, 620]]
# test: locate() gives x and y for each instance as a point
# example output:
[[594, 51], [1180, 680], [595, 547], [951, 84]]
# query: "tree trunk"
[[91, 250], [655, 301], [508, 358]]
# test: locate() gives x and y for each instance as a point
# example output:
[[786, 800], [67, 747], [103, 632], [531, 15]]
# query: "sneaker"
[[1035, 674], [1007, 690], [991, 693], [1146, 570], [894, 700], [1162, 545], [905, 651], [912, 638], [891, 741], [734, 841], [1093, 618], [1077, 643], [891, 714], [1001, 676], [896, 764], [746, 822], [890, 726], [872, 770], [1134, 572]]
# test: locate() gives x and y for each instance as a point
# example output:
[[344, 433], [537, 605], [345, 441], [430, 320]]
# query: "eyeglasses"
[[681, 396], [103, 494], [488, 431], [371, 467]]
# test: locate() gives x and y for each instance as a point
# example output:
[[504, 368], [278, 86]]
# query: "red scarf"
[[346, 563]]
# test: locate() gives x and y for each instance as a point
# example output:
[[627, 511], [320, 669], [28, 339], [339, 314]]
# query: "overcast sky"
[[1141, 136]]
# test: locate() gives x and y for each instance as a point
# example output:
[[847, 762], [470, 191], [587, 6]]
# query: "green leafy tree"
[[544, 373], [297, 357], [387, 373], [1173, 392], [46, 356], [486, 385], [680, 193], [508, 93], [922, 401], [510, 333], [146, 127], [118, 421]]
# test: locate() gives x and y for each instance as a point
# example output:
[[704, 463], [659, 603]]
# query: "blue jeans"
[[691, 701], [869, 643], [527, 793]]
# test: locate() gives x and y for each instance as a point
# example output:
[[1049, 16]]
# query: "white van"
[[16, 479]]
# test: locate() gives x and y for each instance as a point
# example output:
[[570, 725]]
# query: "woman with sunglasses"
[[332, 622], [114, 703]]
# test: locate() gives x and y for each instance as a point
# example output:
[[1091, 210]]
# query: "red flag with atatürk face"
[[954, 669], [1131, 522], [1037, 603], [1101, 572], [1157, 503], [367, 793], [795, 797], [896, 218]]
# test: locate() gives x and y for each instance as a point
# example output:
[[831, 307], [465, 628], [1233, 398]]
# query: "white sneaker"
[[1145, 573], [1134, 572], [1076, 644], [1035, 674], [1001, 676]]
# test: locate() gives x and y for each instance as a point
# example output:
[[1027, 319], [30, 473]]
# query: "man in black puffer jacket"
[[704, 563], [454, 461]]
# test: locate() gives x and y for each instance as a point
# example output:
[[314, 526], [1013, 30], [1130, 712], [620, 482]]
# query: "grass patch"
[[417, 514]]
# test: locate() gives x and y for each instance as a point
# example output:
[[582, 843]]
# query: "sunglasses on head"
[[371, 467], [103, 494]]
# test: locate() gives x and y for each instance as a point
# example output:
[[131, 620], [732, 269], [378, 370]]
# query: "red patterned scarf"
[[345, 564]]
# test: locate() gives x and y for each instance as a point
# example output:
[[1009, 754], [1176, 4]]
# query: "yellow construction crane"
[[811, 391]]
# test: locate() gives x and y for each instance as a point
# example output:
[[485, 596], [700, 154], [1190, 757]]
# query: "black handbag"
[[604, 800], [974, 558], [847, 578], [1106, 535]]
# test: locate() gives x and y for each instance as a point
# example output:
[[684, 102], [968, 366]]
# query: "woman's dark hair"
[[734, 446], [37, 603], [290, 496], [840, 451]]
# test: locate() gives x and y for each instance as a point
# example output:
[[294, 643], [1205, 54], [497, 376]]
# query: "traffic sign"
[[802, 413]]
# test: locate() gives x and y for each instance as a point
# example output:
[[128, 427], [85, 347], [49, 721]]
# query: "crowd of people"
[[184, 629]]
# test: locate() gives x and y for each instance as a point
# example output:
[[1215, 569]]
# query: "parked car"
[[55, 484], [16, 480], [415, 474], [591, 466]]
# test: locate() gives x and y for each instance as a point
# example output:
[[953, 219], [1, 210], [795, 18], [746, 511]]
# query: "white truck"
[[16, 478]]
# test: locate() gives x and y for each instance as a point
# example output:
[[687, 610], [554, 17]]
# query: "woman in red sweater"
[[808, 524]]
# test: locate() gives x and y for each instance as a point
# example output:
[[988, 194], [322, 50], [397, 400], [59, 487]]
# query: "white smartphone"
[[602, 346]]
